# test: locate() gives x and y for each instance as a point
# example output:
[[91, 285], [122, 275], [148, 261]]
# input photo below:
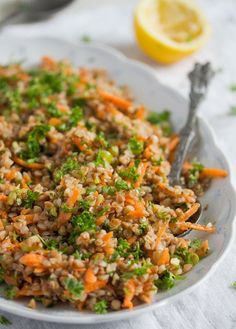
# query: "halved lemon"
[[168, 30]]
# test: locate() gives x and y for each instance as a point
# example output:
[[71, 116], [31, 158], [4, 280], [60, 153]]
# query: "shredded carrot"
[[187, 166], [141, 171], [27, 291], [1, 225], [65, 216], [164, 258], [107, 237], [90, 287], [25, 164], [28, 217], [3, 197], [89, 276], [187, 225], [167, 190], [77, 141], [202, 251], [73, 198], [54, 121], [49, 63], [116, 100], [147, 152], [138, 211], [11, 174], [214, 172], [129, 294], [161, 231], [185, 216], [173, 143], [140, 113], [100, 220], [32, 260]]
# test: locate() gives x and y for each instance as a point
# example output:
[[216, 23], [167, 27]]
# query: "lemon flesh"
[[168, 30]]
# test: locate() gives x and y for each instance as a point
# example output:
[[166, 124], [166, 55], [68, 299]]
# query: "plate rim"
[[124, 314]]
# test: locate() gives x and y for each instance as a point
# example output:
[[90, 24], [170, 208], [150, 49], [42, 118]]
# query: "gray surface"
[[213, 304]]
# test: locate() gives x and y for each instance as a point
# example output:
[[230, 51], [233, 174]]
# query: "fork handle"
[[199, 80]]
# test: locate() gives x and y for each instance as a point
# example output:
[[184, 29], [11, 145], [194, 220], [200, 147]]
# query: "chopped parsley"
[[120, 185], [166, 281], [69, 165], [101, 139], [86, 38], [164, 216], [1, 275], [157, 118], [100, 307], [2, 181], [78, 255], [51, 244], [193, 173], [234, 284], [233, 110], [143, 228], [32, 145], [136, 146], [139, 271], [4, 321], [110, 190], [10, 292], [83, 204], [75, 287], [75, 116], [162, 119], [84, 222], [233, 87], [53, 111], [195, 244], [187, 256], [130, 174], [103, 158], [31, 198]]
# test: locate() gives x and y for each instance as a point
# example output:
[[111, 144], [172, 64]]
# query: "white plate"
[[147, 89]]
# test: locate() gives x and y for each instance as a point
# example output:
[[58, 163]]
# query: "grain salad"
[[87, 215]]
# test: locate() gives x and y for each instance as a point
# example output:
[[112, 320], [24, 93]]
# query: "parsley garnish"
[[234, 284], [86, 38], [84, 222], [120, 185], [165, 281], [75, 287], [100, 307], [83, 204], [139, 271], [31, 198], [110, 190], [1, 275], [4, 321], [195, 244], [233, 110], [53, 111], [188, 257], [10, 292], [194, 173], [130, 173], [69, 165], [233, 87], [76, 115], [136, 146], [103, 158], [157, 118], [33, 147]]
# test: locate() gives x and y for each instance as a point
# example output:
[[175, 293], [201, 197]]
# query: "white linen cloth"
[[213, 303]]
